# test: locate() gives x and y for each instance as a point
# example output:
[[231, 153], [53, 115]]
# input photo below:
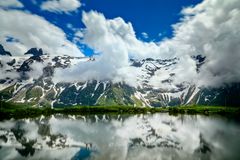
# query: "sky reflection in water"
[[157, 136]]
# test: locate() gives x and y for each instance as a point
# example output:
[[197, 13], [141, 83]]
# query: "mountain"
[[3, 52], [35, 52], [43, 91]]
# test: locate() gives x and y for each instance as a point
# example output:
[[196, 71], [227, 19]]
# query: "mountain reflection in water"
[[157, 136]]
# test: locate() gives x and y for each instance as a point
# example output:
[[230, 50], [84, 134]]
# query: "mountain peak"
[[35, 52], [3, 52]]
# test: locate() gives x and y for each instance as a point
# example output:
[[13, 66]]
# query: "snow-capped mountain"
[[29, 79]]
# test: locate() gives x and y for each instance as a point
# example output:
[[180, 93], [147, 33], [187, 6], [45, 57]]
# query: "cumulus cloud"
[[210, 29], [115, 41], [30, 30], [99, 28], [11, 4], [105, 37], [61, 6]]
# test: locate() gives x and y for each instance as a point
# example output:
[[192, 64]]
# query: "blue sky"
[[154, 17]]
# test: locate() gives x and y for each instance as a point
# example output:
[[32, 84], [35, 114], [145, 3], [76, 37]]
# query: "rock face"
[[3, 52], [43, 91], [35, 52]]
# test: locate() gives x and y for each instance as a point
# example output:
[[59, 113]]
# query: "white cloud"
[[36, 69], [145, 35], [11, 4], [78, 36], [61, 6], [33, 31], [210, 29], [5, 74], [116, 41], [4, 67], [105, 37], [116, 32]]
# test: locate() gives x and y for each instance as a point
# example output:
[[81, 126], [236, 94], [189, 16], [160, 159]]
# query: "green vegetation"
[[196, 109], [34, 93], [117, 96], [9, 110], [7, 92], [137, 101]]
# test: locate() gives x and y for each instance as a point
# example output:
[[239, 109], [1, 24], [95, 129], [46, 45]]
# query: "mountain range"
[[20, 83]]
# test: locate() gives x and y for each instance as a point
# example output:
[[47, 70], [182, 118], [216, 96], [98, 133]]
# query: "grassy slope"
[[9, 110]]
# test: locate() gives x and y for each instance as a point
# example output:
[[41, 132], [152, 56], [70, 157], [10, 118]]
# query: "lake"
[[121, 137]]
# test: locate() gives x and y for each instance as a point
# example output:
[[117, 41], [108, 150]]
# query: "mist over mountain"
[[45, 66], [32, 79], [120, 79]]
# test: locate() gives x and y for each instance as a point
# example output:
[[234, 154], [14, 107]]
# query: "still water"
[[104, 137]]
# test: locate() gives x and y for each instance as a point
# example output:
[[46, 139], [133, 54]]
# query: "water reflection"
[[157, 136]]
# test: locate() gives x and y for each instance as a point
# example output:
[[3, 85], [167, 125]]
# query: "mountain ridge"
[[43, 91]]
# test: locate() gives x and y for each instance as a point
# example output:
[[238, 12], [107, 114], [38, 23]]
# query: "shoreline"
[[19, 112]]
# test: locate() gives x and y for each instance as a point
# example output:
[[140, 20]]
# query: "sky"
[[151, 19], [115, 31]]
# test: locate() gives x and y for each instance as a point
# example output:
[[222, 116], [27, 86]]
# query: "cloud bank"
[[109, 38], [210, 29]]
